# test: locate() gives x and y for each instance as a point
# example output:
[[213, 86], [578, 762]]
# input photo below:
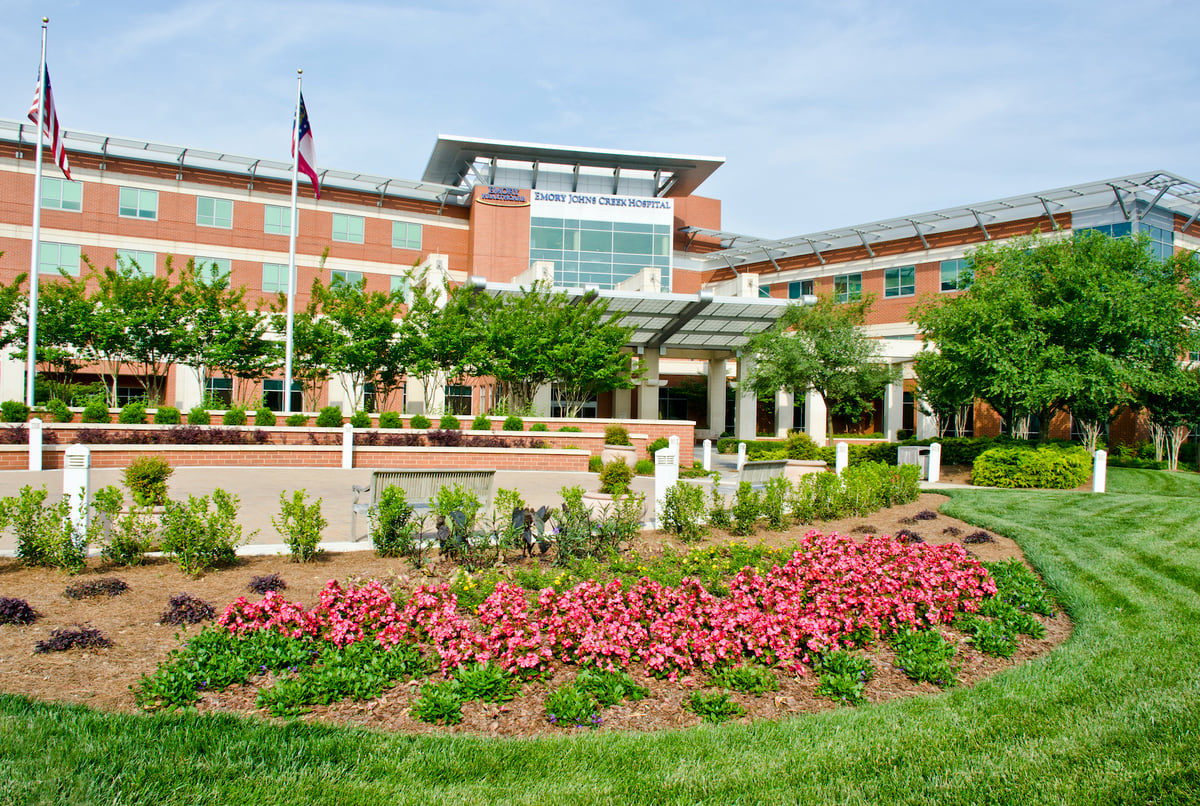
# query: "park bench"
[[420, 487], [757, 473]]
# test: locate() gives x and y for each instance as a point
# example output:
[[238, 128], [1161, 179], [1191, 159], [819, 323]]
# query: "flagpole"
[[291, 293], [31, 347]]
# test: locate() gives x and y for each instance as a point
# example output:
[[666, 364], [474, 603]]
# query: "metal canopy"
[[105, 147], [674, 321], [1152, 188], [674, 174]]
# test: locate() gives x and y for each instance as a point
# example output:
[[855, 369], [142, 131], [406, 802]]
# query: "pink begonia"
[[832, 592]]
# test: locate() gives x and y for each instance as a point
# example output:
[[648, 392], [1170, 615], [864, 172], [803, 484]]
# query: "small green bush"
[[126, 537], [539, 427], [45, 535], [683, 512], [656, 446], [300, 524], [297, 420], [96, 411], [439, 703], [449, 422], [843, 676], [391, 419], [924, 655], [360, 419], [199, 539], [615, 477], [595, 464], [1046, 467], [713, 706], [393, 529], [513, 423], [419, 421], [572, 429], [644, 467], [748, 678], [616, 435], [60, 411], [572, 707], [481, 423], [801, 446], [167, 415], [146, 477], [264, 417], [199, 416], [329, 417], [14, 411], [234, 415], [746, 509]]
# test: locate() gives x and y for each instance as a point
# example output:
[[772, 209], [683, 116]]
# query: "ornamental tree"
[[821, 347], [362, 350]]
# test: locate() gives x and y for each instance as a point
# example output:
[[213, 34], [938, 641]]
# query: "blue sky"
[[828, 114]]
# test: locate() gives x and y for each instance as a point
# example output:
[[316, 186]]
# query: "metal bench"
[[420, 486], [757, 473]]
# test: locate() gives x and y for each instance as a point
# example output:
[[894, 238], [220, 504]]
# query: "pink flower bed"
[[833, 592]]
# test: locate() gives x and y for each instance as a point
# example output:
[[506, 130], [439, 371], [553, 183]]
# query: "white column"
[[926, 425], [785, 410], [717, 372], [666, 475], [741, 456], [648, 390], [1100, 471], [707, 465], [542, 400], [745, 420], [935, 461], [187, 388], [35, 444], [893, 409], [347, 446], [77, 483], [622, 404], [841, 457], [814, 417]]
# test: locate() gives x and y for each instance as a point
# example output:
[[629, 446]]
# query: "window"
[[458, 399], [764, 290], [140, 264], [400, 285], [800, 289], [62, 194], [901, 282], [956, 275], [273, 395], [275, 278], [138, 203], [214, 212], [405, 235], [219, 389], [600, 253], [277, 221], [210, 269], [847, 288], [348, 228], [340, 277], [55, 256], [1161, 241]]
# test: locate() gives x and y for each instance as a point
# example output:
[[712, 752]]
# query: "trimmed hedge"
[[1048, 467]]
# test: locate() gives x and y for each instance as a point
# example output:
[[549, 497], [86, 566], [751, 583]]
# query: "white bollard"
[[35, 444], [666, 475], [1100, 471], [935, 461], [347, 446], [842, 457], [77, 483], [707, 456], [741, 462]]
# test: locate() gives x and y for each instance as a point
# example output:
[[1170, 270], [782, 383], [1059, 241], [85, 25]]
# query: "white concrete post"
[[35, 444], [745, 420], [717, 369], [1100, 471], [347, 446], [814, 417], [707, 455], [785, 412], [842, 457], [77, 484], [893, 409], [935, 461], [666, 475], [623, 404], [648, 391], [741, 460]]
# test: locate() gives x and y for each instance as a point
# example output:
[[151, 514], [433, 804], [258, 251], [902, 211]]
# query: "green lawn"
[[1111, 717]]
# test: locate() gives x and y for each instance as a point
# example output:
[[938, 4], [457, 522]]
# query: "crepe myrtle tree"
[[363, 349], [1172, 400], [822, 347]]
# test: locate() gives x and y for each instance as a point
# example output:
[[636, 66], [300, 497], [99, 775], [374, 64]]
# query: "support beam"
[[1120, 201], [745, 421], [814, 417], [716, 395], [920, 234], [979, 220], [893, 408], [813, 246], [785, 410], [862, 237], [648, 390], [1050, 215]]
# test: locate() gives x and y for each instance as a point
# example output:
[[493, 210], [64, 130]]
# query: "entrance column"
[[746, 417], [648, 391], [785, 411], [622, 404], [716, 395], [893, 409], [814, 416]]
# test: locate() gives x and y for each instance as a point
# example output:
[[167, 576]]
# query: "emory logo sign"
[[506, 197]]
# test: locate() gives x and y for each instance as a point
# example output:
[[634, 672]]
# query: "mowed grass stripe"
[[1113, 716]]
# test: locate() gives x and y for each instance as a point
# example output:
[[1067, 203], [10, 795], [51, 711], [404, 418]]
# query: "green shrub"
[[199, 539], [748, 678], [615, 477], [393, 529], [774, 503], [616, 435], [746, 509], [264, 417], [644, 467], [486, 682], [14, 411], [513, 423], [539, 427], [419, 421], [60, 411], [96, 411], [391, 419], [146, 477], [595, 464], [167, 415], [481, 423], [199, 416], [449, 422], [329, 417], [713, 706], [297, 420], [126, 537], [234, 415], [360, 419], [802, 447], [843, 676], [683, 512], [301, 525], [656, 446], [45, 535], [571, 429], [571, 707], [924, 655], [1046, 467], [991, 637], [439, 704]]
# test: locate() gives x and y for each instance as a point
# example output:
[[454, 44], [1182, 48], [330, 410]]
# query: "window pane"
[[209, 269], [55, 256], [274, 277], [339, 276], [591, 241], [140, 264], [405, 235], [214, 212], [348, 228], [138, 203], [277, 220]]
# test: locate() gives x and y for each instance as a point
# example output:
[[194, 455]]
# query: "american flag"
[[308, 159], [50, 124]]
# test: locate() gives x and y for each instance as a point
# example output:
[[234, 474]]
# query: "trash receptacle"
[[914, 455]]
